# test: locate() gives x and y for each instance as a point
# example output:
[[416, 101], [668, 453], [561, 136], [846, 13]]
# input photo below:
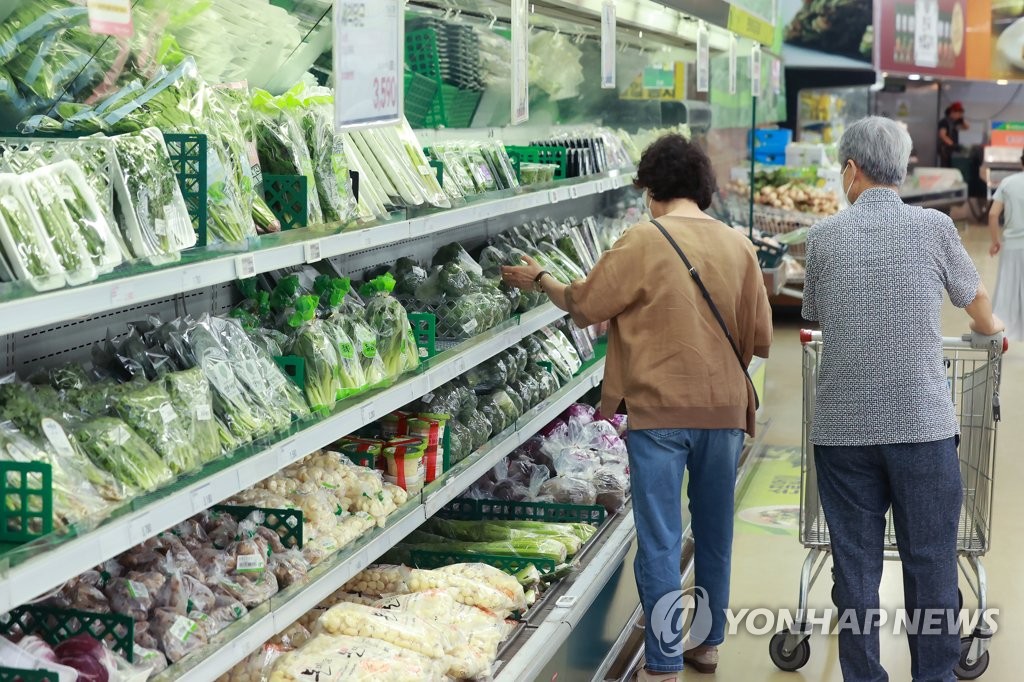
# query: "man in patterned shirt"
[[884, 426]]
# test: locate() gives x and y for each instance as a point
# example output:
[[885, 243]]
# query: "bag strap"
[[714, 309]]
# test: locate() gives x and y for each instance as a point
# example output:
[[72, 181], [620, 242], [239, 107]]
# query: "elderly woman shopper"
[[682, 380], [884, 426]]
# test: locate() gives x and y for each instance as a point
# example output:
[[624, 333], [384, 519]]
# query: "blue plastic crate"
[[770, 158], [774, 141]]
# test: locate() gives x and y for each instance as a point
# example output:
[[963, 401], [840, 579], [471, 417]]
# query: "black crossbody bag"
[[714, 309]]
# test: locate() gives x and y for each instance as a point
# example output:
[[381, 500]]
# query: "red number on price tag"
[[385, 92]]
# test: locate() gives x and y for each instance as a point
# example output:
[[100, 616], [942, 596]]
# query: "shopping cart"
[[973, 365]]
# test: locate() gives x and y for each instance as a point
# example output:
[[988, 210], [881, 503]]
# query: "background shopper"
[[949, 133], [671, 368], [1008, 244], [884, 423]]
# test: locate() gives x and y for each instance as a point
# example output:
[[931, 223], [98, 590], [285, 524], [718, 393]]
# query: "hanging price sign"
[[520, 62], [755, 70], [369, 55], [703, 58], [608, 45], [732, 63], [111, 17]]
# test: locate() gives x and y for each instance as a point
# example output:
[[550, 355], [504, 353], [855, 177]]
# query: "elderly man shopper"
[[884, 426]]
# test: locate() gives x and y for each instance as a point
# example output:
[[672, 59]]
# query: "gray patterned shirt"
[[875, 277]]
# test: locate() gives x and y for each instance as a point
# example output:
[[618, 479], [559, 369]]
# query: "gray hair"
[[880, 147]]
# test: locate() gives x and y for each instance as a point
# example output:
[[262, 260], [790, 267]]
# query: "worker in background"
[[949, 133], [1008, 244]]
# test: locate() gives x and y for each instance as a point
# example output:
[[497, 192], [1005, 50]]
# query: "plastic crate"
[[460, 106], [510, 564], [774, 141], [287, 196], [768, 255], [424, 329], [19, 675], [55, 625], [554, 155], [188, 157], [287, 523], [553, 512], [450, 107], [26, 501], [420, 92], [770, 158]]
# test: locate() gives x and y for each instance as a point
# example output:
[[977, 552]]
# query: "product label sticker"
[[183, 628], [346, 350], [121, 435], [250, 563], [204, 412], [167, 413], [57, 437], [160, 226], [369, 349], [137, 590]]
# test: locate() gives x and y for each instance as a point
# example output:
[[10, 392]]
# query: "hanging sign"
[[608, 45], [520, 62], [755, 70], [703, 58], [111, 17], [732, 64], [776, 76], [369, 55]]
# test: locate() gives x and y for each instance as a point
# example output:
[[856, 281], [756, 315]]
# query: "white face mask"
[[846, 190]]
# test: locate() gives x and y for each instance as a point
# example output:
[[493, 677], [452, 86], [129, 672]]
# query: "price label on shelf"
[[312, 251], [141, 528], [111, 17], [288, 454], [608, 45], [122, 294], [369, 54], [202, 498], [245, 266], [520, 62], [703, 58]]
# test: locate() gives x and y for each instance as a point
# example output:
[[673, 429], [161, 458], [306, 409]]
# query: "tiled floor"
[[766, 568]]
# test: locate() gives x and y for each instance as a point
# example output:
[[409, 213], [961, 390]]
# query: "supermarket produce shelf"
[[23, 309], [33, 570], [244, 637], [534, 648]]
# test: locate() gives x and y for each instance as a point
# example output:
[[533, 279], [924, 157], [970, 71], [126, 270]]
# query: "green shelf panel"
[[26, 501]]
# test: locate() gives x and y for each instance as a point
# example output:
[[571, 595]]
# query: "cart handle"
[[972, 340]]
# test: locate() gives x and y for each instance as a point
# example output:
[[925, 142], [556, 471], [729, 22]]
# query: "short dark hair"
[[675, 168]]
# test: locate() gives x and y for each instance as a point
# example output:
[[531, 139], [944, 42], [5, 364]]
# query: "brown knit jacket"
[[669, 364]]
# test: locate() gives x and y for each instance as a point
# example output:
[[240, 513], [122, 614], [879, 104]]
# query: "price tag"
[[245, 266], [202, 498], [122, 294], [755, 70], [566, 602], [596, 380], [367, 238], [732, 63], [460, 365], [312, 251], [369, 413], [574, 192], [289, 454], [608, 45], [191, 279], [776, 76], [553, 196], [141, 529], [703, 58], [369, 54], [111, 17], [520, 62]]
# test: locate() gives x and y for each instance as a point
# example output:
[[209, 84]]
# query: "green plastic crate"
[[188, 157], [19, 675], [555, 155], [294, 367], [287, 523], [460, 106], [553, 512], [451, 107], [424, 328], [55, 625], [509, 564], [287, 197], [420, 92], [26, 501]]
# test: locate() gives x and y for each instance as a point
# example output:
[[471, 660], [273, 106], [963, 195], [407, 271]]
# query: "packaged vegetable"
[[135, 594], [30, 253], [192, 398], [178, 635], [117, 448], [328, 658], [385, 316], [149, 412], [356, 620]]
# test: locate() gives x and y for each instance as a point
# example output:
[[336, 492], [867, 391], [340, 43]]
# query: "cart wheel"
[[796, 659], [969, 672]]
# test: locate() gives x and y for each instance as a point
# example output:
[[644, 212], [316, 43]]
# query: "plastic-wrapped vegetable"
[[356, 620], [192, 399], [150, 412], [29, 252], [480, 429], [326, 147], [36, 19], [389, 580], [396, 343], [500, 410], [355, 659], [59, 227], [365, 340], [178, 635], [567, 490], [117, 448], [314, 342]]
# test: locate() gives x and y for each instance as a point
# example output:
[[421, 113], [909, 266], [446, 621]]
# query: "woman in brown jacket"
[[681, 380]]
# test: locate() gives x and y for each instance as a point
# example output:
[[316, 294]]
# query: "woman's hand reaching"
[[522, 276]]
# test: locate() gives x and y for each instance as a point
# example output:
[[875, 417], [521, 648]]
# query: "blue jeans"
[[921, 482], [657, 460]]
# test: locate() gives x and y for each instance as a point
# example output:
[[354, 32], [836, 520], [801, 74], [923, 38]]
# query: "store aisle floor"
[[766, 567]]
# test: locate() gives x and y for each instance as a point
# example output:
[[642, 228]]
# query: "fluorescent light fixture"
[[1002, 81], [913, 77]]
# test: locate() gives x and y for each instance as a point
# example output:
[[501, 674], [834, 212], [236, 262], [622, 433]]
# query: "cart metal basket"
[[973, 365]]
